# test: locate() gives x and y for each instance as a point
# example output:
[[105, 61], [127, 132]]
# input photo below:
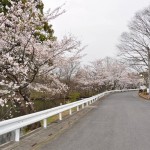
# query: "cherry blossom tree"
[[106, 74], [25, 56]]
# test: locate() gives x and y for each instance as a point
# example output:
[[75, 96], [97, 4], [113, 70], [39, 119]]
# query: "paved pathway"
[[120, 122]]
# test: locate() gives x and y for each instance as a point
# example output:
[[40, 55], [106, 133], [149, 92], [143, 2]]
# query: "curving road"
[[120, 122]]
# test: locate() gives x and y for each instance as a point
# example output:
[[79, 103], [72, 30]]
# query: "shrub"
[[73, 96]]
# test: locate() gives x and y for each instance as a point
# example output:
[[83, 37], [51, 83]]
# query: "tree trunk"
[[25, 95], [149, 71]]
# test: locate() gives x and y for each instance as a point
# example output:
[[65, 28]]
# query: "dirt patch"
[[145, 96]]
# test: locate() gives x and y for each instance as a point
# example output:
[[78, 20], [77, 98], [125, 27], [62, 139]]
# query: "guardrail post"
[[82, 106], [77, 108], [87, 104], [45, 123], [17, 135], [70, 111], [60, 116]]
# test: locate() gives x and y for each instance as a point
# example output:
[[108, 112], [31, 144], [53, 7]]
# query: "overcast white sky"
[[97, 23]]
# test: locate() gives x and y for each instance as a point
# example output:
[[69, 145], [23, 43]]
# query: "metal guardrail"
[[16, 123]]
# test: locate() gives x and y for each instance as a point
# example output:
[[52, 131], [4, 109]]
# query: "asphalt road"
[[120, 122]]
